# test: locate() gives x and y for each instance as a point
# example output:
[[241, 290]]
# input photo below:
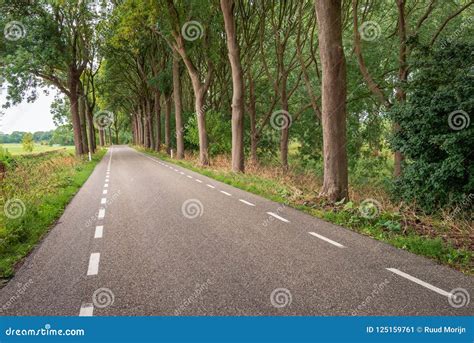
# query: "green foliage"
[[218, 130], [27, 142], [435, 135]]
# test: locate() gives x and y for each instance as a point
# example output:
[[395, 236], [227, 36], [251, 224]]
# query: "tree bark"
[[334, 92], [158, 120], [238, 163], [253, 121], [178, 109], [167, 123], [82, 118], [74, 106]]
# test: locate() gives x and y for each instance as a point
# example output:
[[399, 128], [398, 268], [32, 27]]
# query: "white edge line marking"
[[327, 239], [104, 191], [278, 217], [210, 186], [101, 214], [420, 282], [93, 264], [87, 310], [246, 202], [98, 231], [224, 192]]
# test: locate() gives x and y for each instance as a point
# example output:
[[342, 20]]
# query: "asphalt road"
[[152, 238]]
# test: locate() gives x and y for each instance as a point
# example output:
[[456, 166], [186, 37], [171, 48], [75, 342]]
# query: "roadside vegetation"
[[34, 190]]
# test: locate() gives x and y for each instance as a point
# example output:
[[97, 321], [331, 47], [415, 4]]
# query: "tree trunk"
[[167, 123], [158, 120], [90, 130], [335, 185], [201, 121], [82, 119], [178, 109], [402, 78], [285, 128], [253, 121], [74, 106], [238, 163], [149, 119]]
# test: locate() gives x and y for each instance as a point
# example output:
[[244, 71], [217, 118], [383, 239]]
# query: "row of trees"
[[326, 74]]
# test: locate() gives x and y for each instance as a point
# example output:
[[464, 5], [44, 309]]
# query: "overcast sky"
[[29, 117]]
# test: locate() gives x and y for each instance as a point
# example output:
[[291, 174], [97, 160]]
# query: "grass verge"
[[398, 228], [33, 194]]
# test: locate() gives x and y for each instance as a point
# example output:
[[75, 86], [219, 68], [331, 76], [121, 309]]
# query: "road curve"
[[147, 237]]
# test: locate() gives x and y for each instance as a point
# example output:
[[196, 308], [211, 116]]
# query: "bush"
[[435, 134]]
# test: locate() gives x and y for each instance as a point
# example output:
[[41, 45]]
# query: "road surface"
[[146, 237]]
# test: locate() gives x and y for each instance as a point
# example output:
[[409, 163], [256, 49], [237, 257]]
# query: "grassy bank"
[[369, 212], [33, 194]]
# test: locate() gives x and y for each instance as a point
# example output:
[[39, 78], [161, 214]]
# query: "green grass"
[[17, 149], [45, 184], [386, 227]]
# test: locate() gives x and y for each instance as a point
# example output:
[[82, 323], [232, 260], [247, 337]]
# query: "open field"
[[17, 149]]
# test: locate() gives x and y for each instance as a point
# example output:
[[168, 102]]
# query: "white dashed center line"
[[86, 310], [327, 239], [210, 186], [98, 231], [103, 201], [104, 191], [420, 282], [101, 214], [197, 180], [278, 217], [224, 192], [181, 173], [106, 185], [246, 202], [189, 176], [93, 264]]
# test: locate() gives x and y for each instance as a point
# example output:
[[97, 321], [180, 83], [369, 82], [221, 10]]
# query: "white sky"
[[29, 117]]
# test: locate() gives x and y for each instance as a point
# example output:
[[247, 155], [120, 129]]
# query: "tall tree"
[[227, 7], [335, 185]]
